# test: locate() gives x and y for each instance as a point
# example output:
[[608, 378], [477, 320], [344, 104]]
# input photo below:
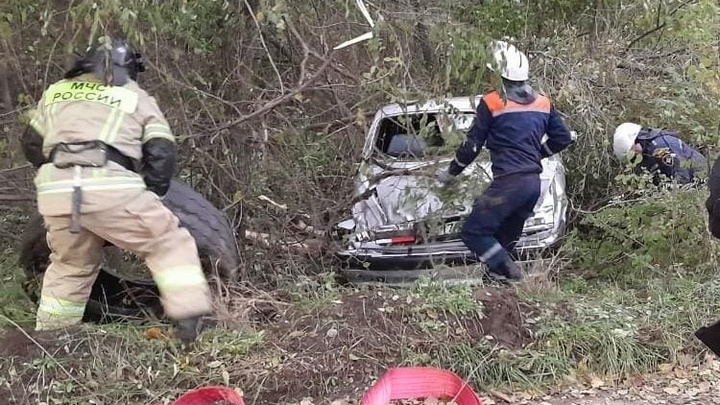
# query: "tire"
[[209, 227], [115, 297]]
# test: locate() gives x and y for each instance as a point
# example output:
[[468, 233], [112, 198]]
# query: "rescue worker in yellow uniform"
[[108, 157]]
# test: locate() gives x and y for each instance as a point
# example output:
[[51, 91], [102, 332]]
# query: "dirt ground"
[[336, 351], [16, 344], [346, 346]]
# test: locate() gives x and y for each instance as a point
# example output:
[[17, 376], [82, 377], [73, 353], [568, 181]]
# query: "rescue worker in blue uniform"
[[658, 151], [512, 130]]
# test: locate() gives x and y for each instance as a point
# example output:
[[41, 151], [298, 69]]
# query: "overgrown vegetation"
[[264, 107]]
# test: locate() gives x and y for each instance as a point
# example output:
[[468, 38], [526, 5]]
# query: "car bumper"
[[369, 262], [370, 255]]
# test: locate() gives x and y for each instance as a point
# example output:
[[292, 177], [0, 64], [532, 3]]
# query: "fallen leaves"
[[155, 334], [424, 401], [592, 380], [670, 385]]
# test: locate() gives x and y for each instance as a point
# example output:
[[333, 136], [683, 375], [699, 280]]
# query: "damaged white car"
[[404, 224]]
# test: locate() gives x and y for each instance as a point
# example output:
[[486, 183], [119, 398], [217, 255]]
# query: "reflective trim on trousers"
[[174, 278], [494, 249], [60, 307]]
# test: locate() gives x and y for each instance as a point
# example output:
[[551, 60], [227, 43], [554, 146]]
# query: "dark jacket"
[[513, 132], [712, 204], [665, 153]]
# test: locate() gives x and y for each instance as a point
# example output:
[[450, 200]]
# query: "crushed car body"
[[403, 220]]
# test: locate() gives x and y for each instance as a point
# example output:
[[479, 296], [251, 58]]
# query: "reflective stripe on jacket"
[[83, 109]]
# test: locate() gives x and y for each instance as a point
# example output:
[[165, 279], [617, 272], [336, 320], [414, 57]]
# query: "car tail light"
[[396, 237], [402, 240]]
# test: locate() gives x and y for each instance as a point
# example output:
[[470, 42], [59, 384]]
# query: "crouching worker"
[[657, 151], [107, 156], [712, 204], [512, 131]]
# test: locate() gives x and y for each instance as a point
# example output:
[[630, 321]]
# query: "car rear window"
[[422, 135]]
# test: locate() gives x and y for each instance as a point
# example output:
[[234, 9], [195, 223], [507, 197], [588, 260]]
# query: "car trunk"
[[403, 203], [407, 206]]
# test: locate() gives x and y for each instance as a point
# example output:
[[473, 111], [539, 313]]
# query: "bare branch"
[[16, 197], [279, 100], [658, 25], [262, 40], [306, 50]]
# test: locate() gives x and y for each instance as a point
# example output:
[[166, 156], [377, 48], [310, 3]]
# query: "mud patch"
[[70, 345], [340, 348], [504, 317], [337, 349], [16, 343], [19, 350]]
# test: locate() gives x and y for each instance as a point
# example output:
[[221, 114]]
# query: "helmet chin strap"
[[139, 62]]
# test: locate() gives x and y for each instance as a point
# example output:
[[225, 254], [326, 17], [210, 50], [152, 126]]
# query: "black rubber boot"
[[710, 336], [513, 271], [507, 270], [187, 330]]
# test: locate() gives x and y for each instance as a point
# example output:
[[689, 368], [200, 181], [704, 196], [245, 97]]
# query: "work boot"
[[513, 271], [187, 330], [507, 271]]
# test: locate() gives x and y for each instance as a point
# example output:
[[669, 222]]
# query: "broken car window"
[[422, 135]]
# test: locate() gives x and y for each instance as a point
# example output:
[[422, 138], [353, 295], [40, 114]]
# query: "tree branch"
[[306, 50], [262, 40], [658, 25], [279, 100]]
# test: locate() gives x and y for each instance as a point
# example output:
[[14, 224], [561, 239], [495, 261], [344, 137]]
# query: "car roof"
[[461, 103]]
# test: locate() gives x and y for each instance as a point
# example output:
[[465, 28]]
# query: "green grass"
[[119, 364], [312, 293], [611, 332], [628, 318], [581, 328], [457, 300], [14, 303]]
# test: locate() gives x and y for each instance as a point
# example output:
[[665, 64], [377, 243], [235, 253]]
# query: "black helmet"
[[112, 60]]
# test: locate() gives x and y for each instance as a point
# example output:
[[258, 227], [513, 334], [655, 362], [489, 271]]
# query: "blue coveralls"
[[512, 132], [664, 152]]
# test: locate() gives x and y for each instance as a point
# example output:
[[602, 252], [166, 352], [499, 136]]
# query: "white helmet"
[[624, 138], [512, 63]]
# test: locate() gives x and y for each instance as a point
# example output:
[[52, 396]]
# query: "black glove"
[[159, 163]]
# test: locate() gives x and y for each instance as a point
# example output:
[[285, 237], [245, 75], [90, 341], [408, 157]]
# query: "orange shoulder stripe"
[[494, 101], [541, 104]]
